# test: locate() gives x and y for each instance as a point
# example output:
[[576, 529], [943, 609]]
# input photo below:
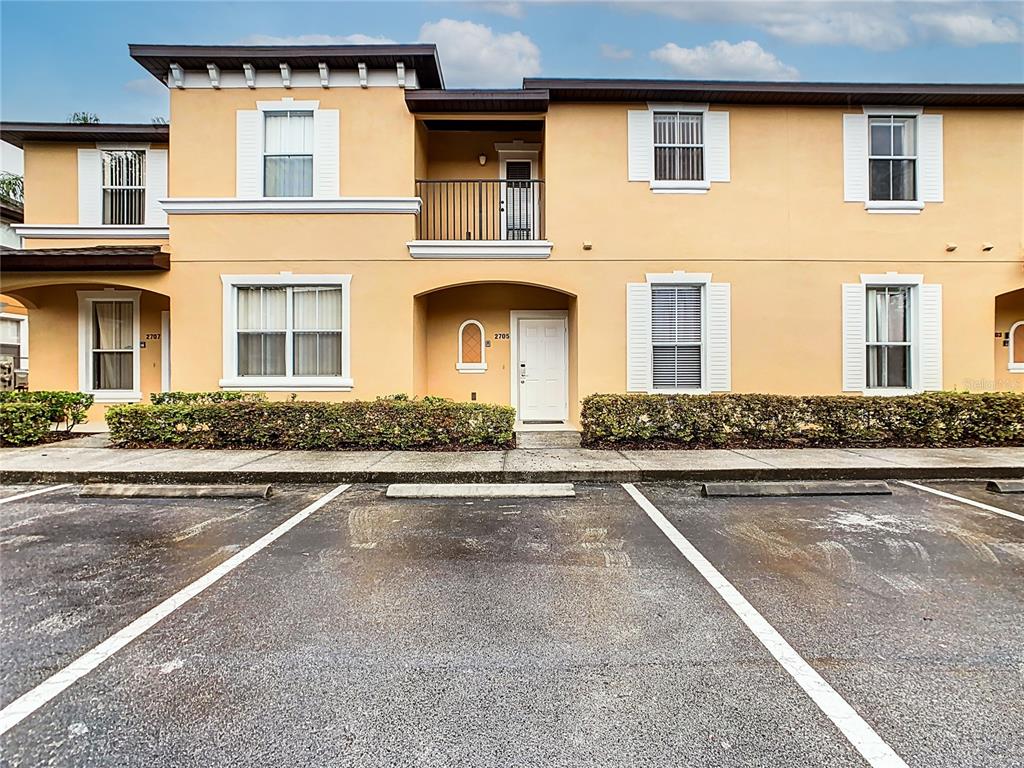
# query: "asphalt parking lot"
[[532, 632]]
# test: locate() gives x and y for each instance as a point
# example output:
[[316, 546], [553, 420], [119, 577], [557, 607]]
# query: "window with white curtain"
[[124, 186], [10, 340], [678, 146], [288, 154], [892, 158], [889, 358], [113, 345], [677, 336], [289, 330]]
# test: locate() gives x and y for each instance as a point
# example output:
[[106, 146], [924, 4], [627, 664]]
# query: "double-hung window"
[[677, 337], [892, 158], [124, 186], [678, 146], [288, 154], [286, 331], [108, 344], [889, 348]]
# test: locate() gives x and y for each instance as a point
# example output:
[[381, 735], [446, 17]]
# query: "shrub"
[[204, 398], [767, 421], [23, 423], [68, 408], [387, 424]]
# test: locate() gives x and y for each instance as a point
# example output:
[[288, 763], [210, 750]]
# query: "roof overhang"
[[811, 94], [470, 101], [18, 133], [422, 57], [98, 258]]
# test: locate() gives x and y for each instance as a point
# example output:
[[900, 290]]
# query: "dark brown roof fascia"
[[472, 101], [99, 258], [422, 57], [815, 94], [18, 133]]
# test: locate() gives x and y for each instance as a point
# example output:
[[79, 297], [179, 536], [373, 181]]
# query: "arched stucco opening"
[[507, 312], [1009, 341]]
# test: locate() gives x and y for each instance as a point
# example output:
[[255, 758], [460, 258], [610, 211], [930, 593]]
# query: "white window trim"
[[1011, 366], [231, 378], [914, 206], [694, 187], [894, 279], [22, 320], [283, 105], [85, 302], [480, 367], [703, 280]]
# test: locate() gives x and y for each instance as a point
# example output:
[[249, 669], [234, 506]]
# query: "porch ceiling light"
[[482, 159]]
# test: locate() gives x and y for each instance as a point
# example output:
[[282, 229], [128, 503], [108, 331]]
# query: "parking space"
[[514, 632]]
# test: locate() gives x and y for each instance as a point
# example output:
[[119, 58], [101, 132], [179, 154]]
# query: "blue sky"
[[59, 57]]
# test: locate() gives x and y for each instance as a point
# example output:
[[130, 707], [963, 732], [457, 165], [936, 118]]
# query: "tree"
[[12, 187], [83, 117]]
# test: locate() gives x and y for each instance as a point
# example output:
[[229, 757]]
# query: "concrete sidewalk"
[[87, 460]]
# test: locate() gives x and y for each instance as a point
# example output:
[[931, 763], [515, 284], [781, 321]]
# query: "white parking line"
[[961, 499], [36, 492], [862, 736], [28, 703]]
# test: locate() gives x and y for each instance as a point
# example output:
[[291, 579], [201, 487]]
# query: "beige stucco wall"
[[779, 232]]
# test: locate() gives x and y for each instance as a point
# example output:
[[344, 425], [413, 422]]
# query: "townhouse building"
[[333, 222]]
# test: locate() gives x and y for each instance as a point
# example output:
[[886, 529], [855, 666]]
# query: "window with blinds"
[[124, 186], [677, 314], [678, 146], [289, 331], [288, 154], [888, 337]]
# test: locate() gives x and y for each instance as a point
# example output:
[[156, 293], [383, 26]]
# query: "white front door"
[[542, 364]]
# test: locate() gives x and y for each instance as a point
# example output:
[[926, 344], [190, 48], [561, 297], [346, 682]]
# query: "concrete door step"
[[548, 438], [480, 490]]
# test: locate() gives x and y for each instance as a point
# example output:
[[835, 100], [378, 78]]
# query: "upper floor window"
[[892, 158], [124, 186], [288, 154], [678, 146]]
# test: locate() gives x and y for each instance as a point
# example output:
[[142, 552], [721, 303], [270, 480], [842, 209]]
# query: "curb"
[[1011, 471]]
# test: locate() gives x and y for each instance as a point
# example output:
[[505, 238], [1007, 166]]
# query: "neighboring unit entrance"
[[540, 373]]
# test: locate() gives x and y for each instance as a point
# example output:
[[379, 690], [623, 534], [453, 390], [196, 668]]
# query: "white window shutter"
[[716, 145], [854, 338], [638, 337], [248, 151], [930, 337], [325, 153], [719, 337], [90, 187], [641, 145], [929, 154], [156, 187], [855, 158]]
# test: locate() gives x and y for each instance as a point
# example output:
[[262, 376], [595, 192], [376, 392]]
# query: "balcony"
[[480, 218]]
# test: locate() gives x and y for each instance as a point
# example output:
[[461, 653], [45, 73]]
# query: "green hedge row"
[[23, 423], [770, 421], [392, 424], [67, 408], [204, 398]]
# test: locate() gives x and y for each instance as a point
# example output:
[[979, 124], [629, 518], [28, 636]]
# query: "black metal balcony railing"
[[481, 209]]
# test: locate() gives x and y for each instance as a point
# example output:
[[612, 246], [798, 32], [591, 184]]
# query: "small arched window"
[[472, 357], [1016, 356]]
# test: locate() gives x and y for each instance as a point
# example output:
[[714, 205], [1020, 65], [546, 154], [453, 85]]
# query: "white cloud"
[[614, 52], [871, 25], [474, 55], [512, 10], [354, 39], [969, 28], [724, 60]]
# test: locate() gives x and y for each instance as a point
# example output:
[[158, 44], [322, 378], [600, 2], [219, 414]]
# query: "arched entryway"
[[1009, 341], [499, 342]]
